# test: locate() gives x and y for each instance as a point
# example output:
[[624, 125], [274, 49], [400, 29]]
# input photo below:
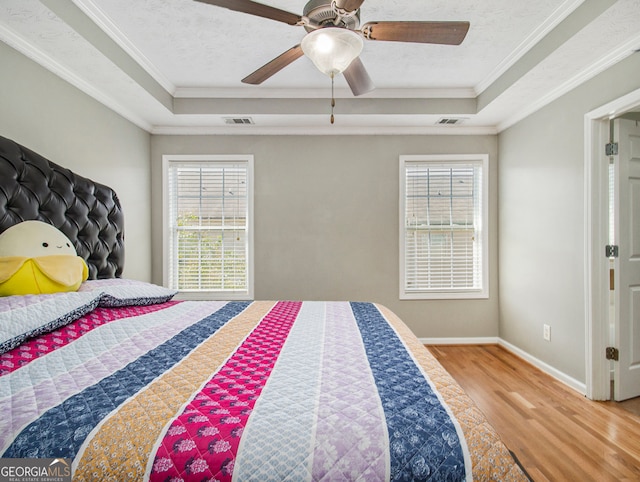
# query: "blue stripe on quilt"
[[424, 444], [53, 434], [279, 432]]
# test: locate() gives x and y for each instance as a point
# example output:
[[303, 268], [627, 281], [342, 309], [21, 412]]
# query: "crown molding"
[[295, 93], [93, 12], [562, 12], [40, 57], [335, 130], [615, 56]]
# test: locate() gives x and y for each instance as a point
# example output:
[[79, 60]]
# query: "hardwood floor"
[[632, 405], [556, 433]]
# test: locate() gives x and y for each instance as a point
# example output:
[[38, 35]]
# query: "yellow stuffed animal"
[[37, 258]]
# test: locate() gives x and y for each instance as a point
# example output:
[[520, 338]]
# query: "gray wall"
[[58, 121], [327, 221], [542, 222], [327, 207]]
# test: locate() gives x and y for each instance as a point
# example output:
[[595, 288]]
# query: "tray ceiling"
[[174, 66]]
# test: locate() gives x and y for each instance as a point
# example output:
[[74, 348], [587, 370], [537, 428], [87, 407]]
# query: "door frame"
[[596, 127]]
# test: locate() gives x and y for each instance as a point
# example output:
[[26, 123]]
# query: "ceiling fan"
[[341, 18]]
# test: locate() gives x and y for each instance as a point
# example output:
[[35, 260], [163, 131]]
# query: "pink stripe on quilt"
[[37, 347], [202, 442]]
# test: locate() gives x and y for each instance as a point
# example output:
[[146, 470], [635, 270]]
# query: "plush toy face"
[[31, 239], [37, 258]]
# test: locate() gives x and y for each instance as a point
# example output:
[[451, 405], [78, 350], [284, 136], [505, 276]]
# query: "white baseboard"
[[487, 340], [548, 369]]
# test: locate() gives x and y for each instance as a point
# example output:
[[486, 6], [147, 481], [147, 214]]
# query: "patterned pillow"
[[23, 317], [118, 292]]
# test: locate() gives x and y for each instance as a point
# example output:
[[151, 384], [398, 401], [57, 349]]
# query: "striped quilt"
[[221, 391]]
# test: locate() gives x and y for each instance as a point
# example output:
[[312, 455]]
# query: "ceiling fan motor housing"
[[321, 12]]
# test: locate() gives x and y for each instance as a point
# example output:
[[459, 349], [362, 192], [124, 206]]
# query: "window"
[[443, 233], [208, 226]]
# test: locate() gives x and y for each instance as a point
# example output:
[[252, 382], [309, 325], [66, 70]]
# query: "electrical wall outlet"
[[546, 332]]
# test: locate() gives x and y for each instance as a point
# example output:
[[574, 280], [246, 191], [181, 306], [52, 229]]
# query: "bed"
[[126, 382]]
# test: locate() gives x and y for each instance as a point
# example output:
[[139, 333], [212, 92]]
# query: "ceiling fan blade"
[[448, 33], [358, 78], [276, 65], [349, 5], [258, 9]]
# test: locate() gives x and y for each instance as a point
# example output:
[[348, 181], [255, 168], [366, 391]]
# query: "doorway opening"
[[602, 202]]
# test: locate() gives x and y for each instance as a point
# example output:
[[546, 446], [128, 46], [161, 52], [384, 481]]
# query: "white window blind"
[[443, 238], [209, 225]]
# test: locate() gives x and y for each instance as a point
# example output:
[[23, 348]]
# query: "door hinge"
[[612, 353], [611, 149], [611, 251]]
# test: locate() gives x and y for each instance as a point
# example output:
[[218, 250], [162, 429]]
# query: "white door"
[[627, 265]]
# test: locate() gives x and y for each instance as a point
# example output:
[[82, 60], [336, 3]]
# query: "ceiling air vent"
[[238, 120], [450, 121]]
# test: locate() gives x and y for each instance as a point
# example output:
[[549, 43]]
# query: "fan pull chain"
[[333, 100]]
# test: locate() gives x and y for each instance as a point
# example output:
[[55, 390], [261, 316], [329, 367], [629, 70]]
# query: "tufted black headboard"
[[88, 213]]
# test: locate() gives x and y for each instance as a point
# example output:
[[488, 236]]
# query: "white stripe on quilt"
[[87, 360], [351, 437], [288, 403]]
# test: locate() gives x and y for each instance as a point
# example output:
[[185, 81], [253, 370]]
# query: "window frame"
[[444, 294], [167, 161]]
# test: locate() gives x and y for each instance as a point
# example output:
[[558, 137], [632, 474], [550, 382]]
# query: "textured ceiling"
[[197, 45], [176, 65]]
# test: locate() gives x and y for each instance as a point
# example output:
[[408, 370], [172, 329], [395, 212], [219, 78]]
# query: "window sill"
[[445, 295], [212, 296]]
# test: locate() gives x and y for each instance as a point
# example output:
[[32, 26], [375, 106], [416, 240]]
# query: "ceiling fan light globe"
[[332, 49]]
